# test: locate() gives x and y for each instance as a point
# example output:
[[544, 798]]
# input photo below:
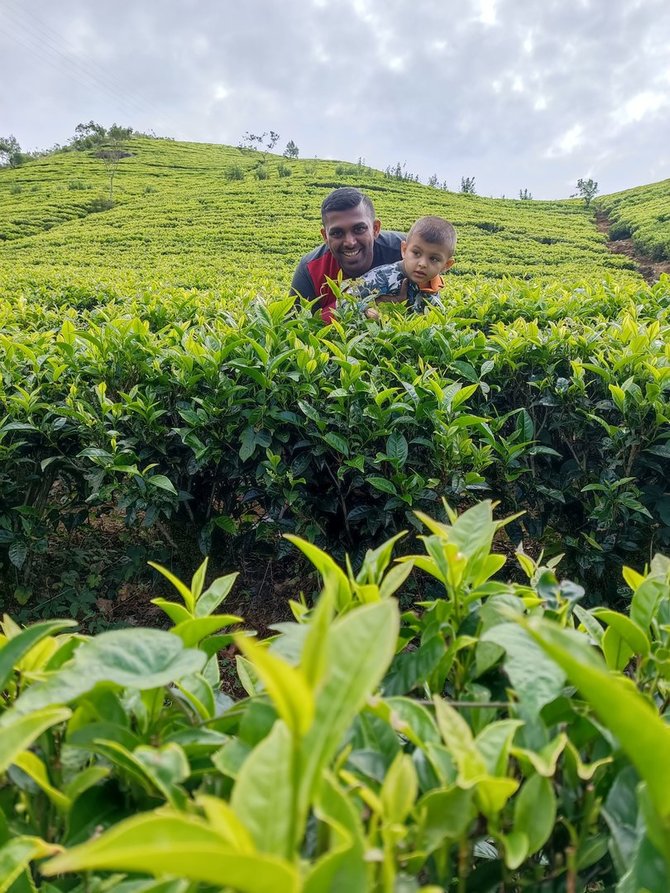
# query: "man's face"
[[351, 235], [424, 260]]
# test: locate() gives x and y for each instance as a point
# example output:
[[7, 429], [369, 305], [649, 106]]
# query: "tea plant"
[[122, 755]]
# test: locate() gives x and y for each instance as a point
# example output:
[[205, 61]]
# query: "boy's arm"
[[433, 298], [373, 285], [362, 290]]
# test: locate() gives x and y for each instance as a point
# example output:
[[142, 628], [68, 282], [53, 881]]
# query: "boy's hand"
[[372, 313]]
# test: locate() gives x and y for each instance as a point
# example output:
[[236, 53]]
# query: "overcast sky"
[[517, 93]]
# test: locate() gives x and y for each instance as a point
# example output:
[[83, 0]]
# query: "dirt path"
[[649, 269]]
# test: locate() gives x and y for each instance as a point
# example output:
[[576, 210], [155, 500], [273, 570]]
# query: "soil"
[[649, 269]]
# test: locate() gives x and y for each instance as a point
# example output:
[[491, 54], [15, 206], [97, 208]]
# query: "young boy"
[[415, 280]]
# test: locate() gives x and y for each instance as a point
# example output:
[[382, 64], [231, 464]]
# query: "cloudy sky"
[[517, 93]]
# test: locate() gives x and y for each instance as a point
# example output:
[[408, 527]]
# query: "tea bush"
[[642, 213], [262, 421], [500, 734]]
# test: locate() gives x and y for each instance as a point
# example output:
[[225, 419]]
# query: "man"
[[353, 243]]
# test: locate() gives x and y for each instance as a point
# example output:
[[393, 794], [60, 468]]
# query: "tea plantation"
[[458, 520]]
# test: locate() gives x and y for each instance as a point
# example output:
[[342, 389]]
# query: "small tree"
[[112, 152], [255, 141], [468, 185], [88, 136], [10, 152], [291, 150], [587, 189], [433, 181], [525, 195]]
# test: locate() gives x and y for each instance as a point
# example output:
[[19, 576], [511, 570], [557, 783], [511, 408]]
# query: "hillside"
[[182, 218], [643, 215], [479, 695]]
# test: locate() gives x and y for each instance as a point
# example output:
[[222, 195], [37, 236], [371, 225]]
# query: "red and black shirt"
[[309, 279]]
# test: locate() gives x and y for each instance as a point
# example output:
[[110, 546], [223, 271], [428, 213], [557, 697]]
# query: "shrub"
[[284, 170], [233, 172], [491, 738], [102, 203], [619, 230]]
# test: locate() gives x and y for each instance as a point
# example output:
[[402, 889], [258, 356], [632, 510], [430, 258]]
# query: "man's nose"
[[349, 239]]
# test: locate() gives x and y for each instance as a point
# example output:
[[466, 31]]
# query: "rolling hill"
[[204, 216]]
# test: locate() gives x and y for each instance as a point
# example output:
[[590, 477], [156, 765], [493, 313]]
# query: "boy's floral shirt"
[[388, 280]]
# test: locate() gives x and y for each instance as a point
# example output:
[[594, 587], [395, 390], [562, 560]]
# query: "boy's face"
[[351, 235], [424, 260]]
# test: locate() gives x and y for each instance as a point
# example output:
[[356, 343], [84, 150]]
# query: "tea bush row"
[[178, 218], [499, 736], [248, 424], [642, 213]]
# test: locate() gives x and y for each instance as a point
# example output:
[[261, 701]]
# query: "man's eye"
[[335, 234], [360, 229]]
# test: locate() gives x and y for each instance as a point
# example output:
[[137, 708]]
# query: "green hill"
[[195, 215], [642, 214], [152, 369]]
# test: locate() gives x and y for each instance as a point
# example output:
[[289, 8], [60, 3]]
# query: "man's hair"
[[436, 230], [344, 199]]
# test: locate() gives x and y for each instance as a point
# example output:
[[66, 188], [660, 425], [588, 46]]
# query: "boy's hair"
[[436, 230], [344, 199]]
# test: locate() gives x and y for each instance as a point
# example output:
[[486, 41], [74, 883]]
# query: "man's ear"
[[323, 233], [449, 264], [376, 228]]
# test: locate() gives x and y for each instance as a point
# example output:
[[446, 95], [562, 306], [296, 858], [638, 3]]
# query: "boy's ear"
[[449, 264], [403, 248]]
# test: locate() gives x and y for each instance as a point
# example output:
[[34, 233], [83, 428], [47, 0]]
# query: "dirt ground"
[[649, 269]]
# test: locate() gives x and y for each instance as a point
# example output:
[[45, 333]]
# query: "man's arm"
[[301, 284]]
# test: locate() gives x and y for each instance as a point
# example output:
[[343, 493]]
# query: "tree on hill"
[[525, 195], [587, 189], [266, 141], [93, 135], [10, 152], [468, 185], [291, 150], [88, 136], [111, 151]]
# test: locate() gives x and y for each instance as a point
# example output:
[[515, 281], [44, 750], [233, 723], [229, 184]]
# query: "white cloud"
[[220, 92], [566, 143], [515, 92], [486, 13], [641, 106]]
